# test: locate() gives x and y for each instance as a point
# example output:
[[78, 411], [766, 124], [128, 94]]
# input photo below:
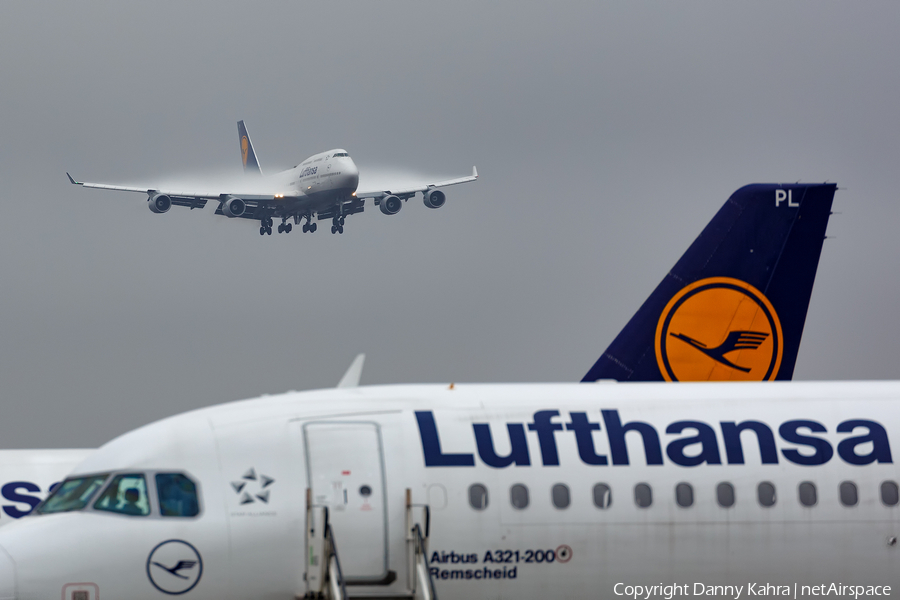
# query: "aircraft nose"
[[352, 174], [7, 576]]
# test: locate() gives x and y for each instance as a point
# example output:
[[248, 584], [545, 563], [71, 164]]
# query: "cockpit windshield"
[[177, 495], [72, 494], [339, 154], [127, 495]]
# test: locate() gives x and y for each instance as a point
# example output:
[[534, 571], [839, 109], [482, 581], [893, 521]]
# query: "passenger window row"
[[807, 494], [518, 496]]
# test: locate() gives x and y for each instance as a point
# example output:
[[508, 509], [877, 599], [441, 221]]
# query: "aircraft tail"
[[733, 307], [248, 156]]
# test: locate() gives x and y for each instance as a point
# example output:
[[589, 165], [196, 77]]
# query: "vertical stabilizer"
[[353, 374], [248, 156], [733, 307]]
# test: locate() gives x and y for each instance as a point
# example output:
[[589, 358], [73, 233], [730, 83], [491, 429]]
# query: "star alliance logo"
[[252, 487]]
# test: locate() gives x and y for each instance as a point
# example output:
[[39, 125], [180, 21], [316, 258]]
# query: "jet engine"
[[233, 207], [391, 205], [159, 203], [434, 198]]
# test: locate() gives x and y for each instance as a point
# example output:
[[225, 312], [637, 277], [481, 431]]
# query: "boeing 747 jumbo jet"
[[323, 186], [645, 489]]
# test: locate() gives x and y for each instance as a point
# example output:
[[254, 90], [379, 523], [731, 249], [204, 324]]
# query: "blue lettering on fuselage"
[[309, 171], [807, 448], [12, 491]]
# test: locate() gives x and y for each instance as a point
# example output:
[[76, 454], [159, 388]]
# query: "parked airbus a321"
[[324, 186], [525, 491]]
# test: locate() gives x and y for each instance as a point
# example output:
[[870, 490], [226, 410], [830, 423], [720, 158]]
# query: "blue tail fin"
[[734, 305], [248, 156]]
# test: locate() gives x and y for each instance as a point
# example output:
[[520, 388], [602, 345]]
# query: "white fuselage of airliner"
[[327, 175], [533, 490]]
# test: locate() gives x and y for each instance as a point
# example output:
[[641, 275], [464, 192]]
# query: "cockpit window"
[[177, 495], [338, 154], [72, 494], [127, 495]]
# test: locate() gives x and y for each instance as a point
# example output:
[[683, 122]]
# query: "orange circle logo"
[[245, 144], [719, 329]]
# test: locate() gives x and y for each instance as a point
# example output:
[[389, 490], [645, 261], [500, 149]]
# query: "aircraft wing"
[[410, 191], [190, 195], [190, 199]]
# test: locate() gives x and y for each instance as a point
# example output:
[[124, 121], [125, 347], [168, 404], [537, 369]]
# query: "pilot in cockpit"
[[130, 505]]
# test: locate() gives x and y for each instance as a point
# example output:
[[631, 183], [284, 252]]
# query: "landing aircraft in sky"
[[638, 488], [324, 186]]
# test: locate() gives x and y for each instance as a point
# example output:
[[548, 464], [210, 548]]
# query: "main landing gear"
[[265, 225], [337, 224], [285, 227], [309, 226]]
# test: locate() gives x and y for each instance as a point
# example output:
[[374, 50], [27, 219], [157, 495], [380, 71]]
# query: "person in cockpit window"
[[131, 498]]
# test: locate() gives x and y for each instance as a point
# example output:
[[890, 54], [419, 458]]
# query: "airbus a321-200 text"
[[324, 186], [751, 485]]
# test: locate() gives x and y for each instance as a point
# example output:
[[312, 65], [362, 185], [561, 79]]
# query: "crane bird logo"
[[174, 567], [719, 329], [182, 564], [245, 144]]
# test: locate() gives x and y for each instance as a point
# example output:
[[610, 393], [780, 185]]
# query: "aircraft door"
[[345, 467]]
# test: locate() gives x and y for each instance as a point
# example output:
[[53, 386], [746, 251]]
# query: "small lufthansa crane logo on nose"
[[719, 329], [174, 567]]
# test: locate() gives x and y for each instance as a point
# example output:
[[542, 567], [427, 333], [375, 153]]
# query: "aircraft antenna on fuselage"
[[248, 156]]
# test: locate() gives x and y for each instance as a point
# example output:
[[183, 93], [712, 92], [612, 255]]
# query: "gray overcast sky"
[[606, 136]]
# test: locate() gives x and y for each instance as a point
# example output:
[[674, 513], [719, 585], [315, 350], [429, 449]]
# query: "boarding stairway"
[[324, 579]]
